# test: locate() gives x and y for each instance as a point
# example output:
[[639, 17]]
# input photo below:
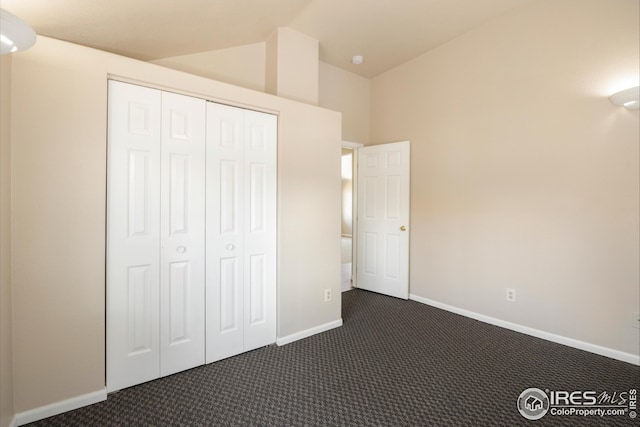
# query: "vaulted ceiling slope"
[[386, 32]]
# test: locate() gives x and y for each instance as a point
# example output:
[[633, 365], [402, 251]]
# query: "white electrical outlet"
[[327, 295], [636, 320], [511, 295]]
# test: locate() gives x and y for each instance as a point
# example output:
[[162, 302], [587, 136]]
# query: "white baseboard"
[[309, 332], [581, 345], [42, 412]]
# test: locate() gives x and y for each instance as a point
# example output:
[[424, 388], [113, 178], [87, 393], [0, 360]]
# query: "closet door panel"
[[133, 235], [241, 230], [259, 229], [224, 243], [182, 308]]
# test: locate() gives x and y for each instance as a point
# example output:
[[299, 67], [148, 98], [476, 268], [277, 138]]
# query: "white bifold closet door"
[[241, 230], [155, 234]]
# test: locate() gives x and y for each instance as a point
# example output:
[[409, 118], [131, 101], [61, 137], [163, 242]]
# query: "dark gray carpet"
[[393, 363]]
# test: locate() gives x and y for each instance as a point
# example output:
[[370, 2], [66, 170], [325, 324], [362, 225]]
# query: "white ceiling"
[[386, 32]]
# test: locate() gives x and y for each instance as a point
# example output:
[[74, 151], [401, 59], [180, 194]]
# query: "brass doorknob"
[[403, 228]]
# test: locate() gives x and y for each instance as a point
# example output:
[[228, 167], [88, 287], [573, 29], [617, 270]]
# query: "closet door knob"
[[230, 247], [403, 228], [181, 249]]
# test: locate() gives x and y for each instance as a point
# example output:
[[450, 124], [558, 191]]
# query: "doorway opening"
[[346, 252], [375, 244], [349, 223]]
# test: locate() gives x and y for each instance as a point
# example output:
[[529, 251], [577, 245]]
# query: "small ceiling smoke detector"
[[357, 60]]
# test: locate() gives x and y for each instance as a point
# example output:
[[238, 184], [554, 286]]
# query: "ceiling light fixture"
[[628, 98], [15, 34], [357, 60]]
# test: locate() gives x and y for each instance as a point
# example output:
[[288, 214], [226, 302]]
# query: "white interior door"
[[241, 230], [383, 219], [133, 236], [182, 273]]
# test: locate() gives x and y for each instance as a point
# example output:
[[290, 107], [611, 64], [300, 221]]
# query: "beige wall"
[[241, 66], [292, 65], [255, 67], [524, 175], [271, 63], [6, 345], [348, 93], [59, 178]]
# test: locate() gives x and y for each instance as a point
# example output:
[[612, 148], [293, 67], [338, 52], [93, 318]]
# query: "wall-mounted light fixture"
[[15, 34], [628, 98]]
